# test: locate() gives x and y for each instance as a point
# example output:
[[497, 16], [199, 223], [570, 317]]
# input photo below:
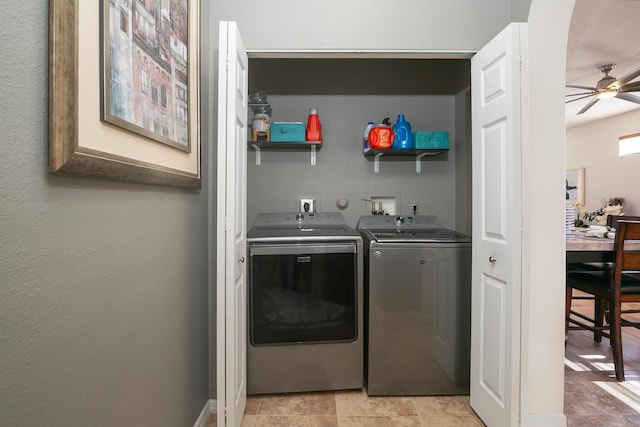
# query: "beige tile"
[[211, 421], [289, 421], [453, 421], [432, 406], [357, 403], [298, 404], [253, 404], [407, 421], [314, 421], [364, 421]]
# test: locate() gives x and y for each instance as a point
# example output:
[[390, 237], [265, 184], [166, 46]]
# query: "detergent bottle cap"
[[313, 111]]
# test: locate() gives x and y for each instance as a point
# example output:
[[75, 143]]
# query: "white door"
[[231, 227], [496, 82]]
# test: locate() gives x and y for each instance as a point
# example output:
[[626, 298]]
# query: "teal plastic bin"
[[287, 132], [431, 140]]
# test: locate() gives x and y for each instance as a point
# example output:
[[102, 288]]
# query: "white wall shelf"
[[312, 146], [418, 154]]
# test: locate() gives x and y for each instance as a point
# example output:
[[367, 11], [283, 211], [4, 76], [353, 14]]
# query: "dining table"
[[581, 247]]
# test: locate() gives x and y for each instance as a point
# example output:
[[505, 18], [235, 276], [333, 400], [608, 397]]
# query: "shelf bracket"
[[419, 162], [258, 154], [313, 155], [376, 163]]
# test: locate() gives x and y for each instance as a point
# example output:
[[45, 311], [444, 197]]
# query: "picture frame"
[[574, 186], [80, 143]]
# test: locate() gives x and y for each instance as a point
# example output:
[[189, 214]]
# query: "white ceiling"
[[602, 32]]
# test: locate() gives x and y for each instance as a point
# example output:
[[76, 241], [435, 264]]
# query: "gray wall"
[[463, 163], [103, 285], [343, 172]]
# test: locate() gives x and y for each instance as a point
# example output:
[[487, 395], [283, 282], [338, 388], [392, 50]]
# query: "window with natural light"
[[629, 144]]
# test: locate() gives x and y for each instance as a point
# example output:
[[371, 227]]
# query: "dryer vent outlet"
[[306, 204]]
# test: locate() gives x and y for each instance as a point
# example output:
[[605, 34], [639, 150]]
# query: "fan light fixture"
[[608, 93]]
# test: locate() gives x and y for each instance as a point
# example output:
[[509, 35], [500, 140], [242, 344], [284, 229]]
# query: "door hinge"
[[225, 416]]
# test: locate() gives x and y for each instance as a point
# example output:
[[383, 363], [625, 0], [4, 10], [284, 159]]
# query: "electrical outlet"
[[306, 204], [413, 206]]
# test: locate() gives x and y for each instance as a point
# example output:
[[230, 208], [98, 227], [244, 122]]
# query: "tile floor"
[[355, 409], [593, 397]]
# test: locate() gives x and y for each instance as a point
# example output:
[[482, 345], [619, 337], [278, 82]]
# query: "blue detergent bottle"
[[402, 138]]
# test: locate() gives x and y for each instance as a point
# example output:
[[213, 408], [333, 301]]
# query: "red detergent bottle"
[[314, 127], [381, 136]]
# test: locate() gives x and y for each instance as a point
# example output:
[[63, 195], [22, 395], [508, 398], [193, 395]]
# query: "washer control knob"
[[299, 217], [399, 220]]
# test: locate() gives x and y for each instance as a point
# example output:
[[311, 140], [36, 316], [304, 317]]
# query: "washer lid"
[[301, 226], [439, 235], [293, 220], [398, 222]]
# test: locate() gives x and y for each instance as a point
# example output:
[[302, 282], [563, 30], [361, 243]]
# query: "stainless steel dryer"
[[305, 295], [418, 306]]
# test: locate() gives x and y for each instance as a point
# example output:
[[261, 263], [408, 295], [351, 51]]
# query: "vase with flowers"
[[612, 206]]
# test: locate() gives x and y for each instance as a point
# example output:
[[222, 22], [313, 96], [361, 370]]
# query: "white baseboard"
[[209, 408]]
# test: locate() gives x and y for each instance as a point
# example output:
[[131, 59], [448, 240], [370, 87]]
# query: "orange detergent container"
[[381, 136], [314, 128]]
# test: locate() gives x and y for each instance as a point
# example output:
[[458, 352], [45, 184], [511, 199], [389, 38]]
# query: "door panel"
[[231, 229], [497, 216], [494, 168]]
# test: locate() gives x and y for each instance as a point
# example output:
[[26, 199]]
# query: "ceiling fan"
[[609, 87]]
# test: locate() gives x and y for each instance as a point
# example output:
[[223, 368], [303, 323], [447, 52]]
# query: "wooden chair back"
[[612, 220], [626, 260]]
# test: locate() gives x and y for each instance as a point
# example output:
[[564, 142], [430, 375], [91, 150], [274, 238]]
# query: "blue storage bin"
[[430, 140], [287, 132]]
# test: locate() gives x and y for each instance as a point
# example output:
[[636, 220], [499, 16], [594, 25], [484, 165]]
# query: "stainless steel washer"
[[305, 299], [418, 306]]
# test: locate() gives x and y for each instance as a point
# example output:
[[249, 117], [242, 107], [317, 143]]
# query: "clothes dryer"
[[305, 297]]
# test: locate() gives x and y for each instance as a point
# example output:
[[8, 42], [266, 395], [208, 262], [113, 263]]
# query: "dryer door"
[[302, 294]]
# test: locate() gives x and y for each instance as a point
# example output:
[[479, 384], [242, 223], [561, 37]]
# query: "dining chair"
[[612, 220], [610, 288]]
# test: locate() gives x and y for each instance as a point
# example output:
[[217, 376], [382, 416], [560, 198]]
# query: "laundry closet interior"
[[348, 92]]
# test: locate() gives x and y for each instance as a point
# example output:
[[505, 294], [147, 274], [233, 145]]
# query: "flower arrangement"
[[613, 206]]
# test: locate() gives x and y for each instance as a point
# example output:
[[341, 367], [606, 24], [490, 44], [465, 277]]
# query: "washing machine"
[[305, 304], [417, 306]]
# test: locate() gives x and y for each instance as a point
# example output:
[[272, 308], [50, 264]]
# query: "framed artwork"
[[124, 90], [145, 66], [574, 186]]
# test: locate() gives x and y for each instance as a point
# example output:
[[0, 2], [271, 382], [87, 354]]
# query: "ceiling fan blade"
[[630, 87], [578, 99], [581, 93], [589, 105], [628, 97], [626, 78], [583, 87]]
